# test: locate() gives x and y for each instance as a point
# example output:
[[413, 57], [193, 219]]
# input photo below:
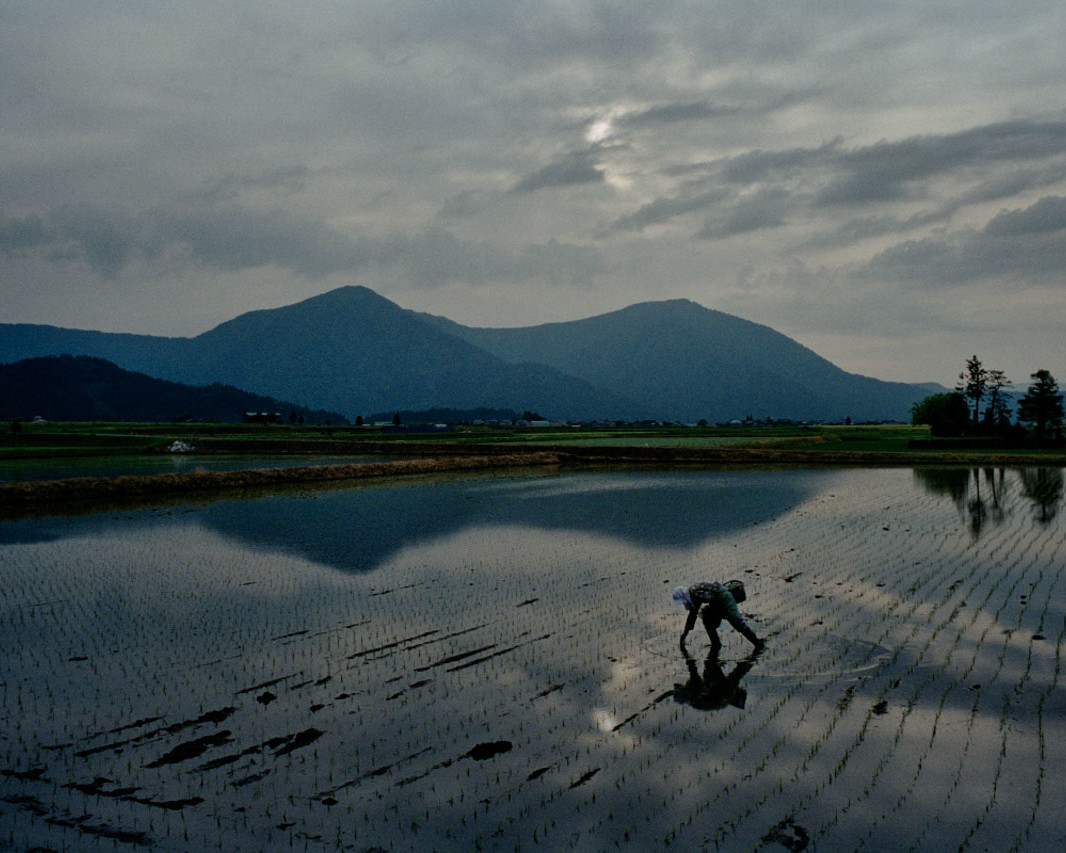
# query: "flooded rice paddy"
[[493, 662]]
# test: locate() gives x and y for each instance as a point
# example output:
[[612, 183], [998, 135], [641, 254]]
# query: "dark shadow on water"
[[711, 689], [357, 529]]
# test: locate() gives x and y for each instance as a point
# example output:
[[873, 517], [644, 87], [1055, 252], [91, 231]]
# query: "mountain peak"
[[347, 294], [320, 311]]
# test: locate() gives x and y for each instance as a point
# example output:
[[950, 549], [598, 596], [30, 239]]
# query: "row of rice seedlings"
[[1021, 756], [992, 678], [578, 814], [1036, 797], [619, 778], [155, 677], [824, 743], [948, 689], [506, 703], [881, 769], [810, 703], [916, 762], [868, 712]]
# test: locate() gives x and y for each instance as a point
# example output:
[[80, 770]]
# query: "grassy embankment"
[[465, 449]]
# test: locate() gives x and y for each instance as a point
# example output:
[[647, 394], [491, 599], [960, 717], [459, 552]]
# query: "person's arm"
[[689, 623]]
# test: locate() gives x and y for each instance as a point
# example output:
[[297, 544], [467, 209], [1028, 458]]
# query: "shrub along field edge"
[[59, 496]]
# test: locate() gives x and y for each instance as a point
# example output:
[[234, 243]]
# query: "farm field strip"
[[516, 680]]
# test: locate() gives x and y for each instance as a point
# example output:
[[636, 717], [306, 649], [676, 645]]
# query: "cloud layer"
[[886, 184]]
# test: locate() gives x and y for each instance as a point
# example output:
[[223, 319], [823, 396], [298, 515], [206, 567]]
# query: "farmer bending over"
[[718, 601]]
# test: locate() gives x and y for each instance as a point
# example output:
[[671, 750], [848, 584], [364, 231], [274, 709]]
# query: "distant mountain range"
[[355, 352], [85, 388]]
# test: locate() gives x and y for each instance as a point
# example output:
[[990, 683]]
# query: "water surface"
[[494, 661]]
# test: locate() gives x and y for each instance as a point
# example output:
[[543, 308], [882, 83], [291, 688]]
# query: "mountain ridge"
[[354, 351], [702, 338]]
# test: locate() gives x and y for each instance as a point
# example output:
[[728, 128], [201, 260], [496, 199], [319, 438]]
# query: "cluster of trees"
[[981, 405]]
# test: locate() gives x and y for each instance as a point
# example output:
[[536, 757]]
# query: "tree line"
[[981, 405]]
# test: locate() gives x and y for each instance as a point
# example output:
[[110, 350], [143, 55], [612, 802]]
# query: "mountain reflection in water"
[[359, 528]]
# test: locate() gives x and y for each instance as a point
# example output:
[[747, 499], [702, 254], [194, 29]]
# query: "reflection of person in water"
[[714, 689], [717, 601]]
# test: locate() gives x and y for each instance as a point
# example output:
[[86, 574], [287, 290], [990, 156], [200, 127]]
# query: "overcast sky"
[[883, 182]]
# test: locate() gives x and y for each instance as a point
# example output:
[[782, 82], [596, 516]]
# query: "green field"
[[86, 438]]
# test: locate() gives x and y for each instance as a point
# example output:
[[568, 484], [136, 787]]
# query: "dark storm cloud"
[[1044, 217], [579, 167], [868, 227], [886, 171], [19, 235], [746, 100], [766, 209], [285, 179], [662, 210], [233, 238], [676, 112], [1015, 245], [998, 187], [103, 239], [792, 181], [931, 264], [224, 238], [1014, 182], [230, 238], [783, 174], [889, 170], [761, 165]]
